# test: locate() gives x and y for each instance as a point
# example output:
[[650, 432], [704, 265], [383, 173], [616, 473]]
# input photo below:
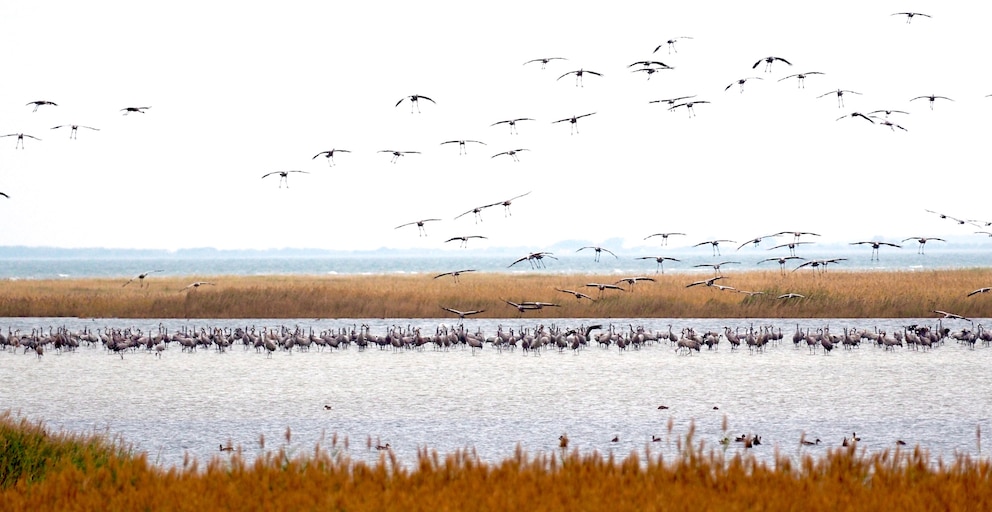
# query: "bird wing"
[[4, 195], [428, 99], [401, 101], [783, 60], [564, 75], [980, 290], [270, 174], [328, 153]]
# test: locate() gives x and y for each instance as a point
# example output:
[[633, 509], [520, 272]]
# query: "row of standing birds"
[[533, 339]]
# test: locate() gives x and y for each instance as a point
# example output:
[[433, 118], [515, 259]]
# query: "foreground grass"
[[834, 294], [105, 478]]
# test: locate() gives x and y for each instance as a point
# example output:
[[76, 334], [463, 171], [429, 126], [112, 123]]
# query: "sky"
[[240, 90]]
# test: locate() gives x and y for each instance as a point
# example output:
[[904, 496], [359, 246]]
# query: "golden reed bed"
[[40, 470], [833, 294]]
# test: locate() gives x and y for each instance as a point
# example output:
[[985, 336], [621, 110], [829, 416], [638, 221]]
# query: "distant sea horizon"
[[19, 262]]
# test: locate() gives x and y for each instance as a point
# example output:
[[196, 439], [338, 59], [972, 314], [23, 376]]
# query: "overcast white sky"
[[237, 90]]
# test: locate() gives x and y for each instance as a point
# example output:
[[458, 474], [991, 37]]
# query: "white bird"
[[414, 101], [987, 289], [947, 315], [463, 314], [283, 176], [791, 296], [329, 154]]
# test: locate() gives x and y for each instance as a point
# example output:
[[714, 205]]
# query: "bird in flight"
[[511, 153], [800, 78], [932, 98], [398, 154], [781, 261], [945, 216], [664, 236], [39, 103], [741, 82], [874, 247], [672, 101], [987, 289], [671, 44], [853, 115], [795, 234], [420, 225], [887, 112], [791, 296], [197, 284], [946, 315], [141, 278], [633, 280], [414, 101], [578, 76], [715, 244], [909, 15], [716, 266], [461, 144], [464, 239], [73, 128], [660, 260], [463, 314], [455, 273], [506, 204], [544, 61], [577, 295], [20, 139], [329, 154], [768, 63], [923, 241], [790, 245], [283, 176], [840, 95], [512, 123], [599, 250], [140, 110], [650, 71], [705, 282], [477, 211], [536, 259], [573, 121], [605, 286], [688, 106]]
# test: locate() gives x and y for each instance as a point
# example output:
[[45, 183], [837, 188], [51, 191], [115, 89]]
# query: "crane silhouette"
[[573, 122], [455, 274], [463, 314], [73, 128], [671, 44], [579, 73], [741, 82], [768, 63], [910, 15], [598, 250], [506, 204], [461, 144], [463, 239], [512, 123], [664, 237], [922, 241], [544, 61], [800, 78], [875, 246], [39, 103], [283, 176], [840, 95], [688, 106], [19, 143], [329, 154], [511, 153], [414, 101], [660, 260], [420, 225], [715, 244], [129, 110], [931, 98], [398, 154], [141, 278]]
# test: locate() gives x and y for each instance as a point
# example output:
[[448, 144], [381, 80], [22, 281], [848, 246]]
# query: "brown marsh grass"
[[698, 478], [833, 294]]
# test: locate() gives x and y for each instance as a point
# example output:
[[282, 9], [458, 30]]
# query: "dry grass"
[[697, 479], [834, 294]]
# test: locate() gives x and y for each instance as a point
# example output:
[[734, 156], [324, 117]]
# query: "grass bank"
[[700, 478], [831, 294]]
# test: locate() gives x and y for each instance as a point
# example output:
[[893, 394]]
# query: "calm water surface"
[[490, 401]]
